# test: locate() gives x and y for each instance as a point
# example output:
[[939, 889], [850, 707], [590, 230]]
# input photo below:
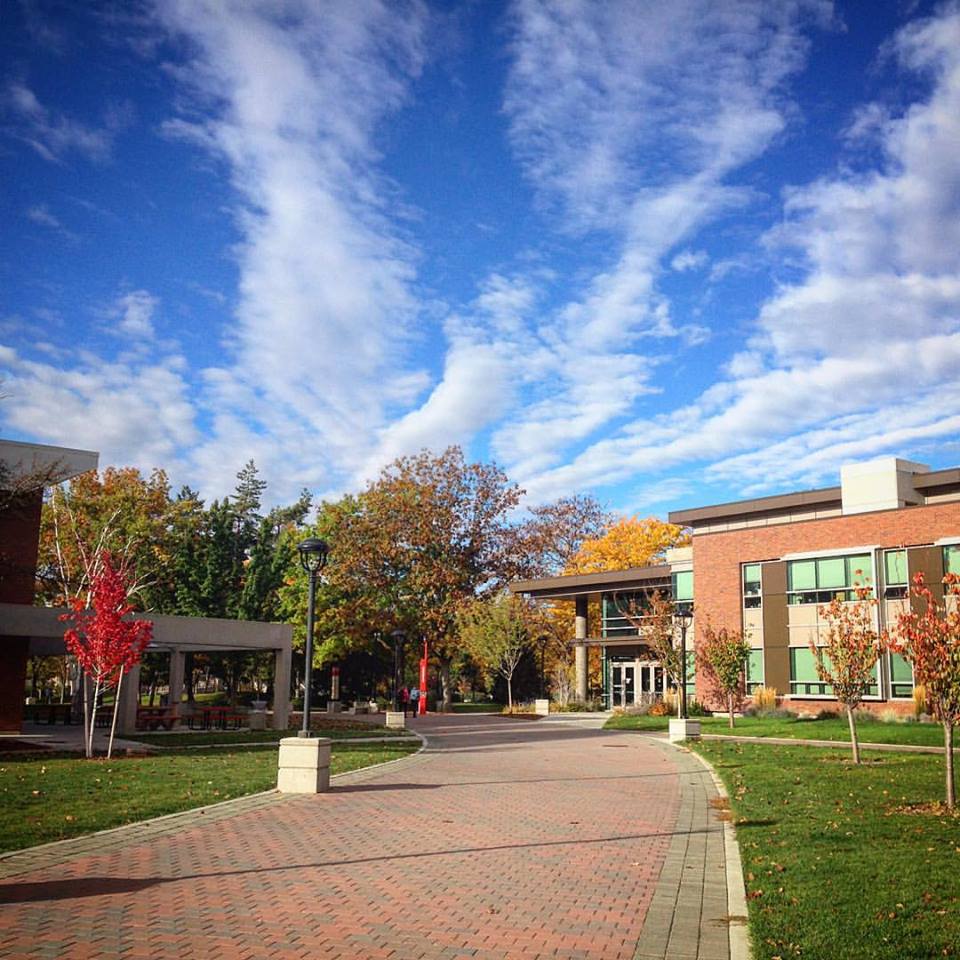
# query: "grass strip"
[[58, 797], [843, 861], [869, 730], [208, 737]]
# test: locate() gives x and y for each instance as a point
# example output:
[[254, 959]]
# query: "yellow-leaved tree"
[[627, 542]]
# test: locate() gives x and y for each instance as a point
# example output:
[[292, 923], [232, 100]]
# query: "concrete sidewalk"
[[501, 841]]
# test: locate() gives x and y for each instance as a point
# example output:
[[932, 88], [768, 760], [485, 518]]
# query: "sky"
[[669, 254]]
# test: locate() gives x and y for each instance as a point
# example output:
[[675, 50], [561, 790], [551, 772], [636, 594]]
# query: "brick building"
[[766, 565]]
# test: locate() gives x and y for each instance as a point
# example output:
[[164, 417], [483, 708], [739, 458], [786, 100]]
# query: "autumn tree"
[[417, 545], [496, 632], [928, 636], [629, 542], [105, 644], [847, 659], [725, 653]]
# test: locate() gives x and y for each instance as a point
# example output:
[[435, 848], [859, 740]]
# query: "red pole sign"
[[422, 706]]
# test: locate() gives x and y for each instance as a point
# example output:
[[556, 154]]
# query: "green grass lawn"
[[871, 731], [840, 863], [207, 737], [58, 797], [477, 707]]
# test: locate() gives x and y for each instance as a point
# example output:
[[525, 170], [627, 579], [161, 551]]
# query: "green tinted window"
[[803, 665], [895, 567], [901, 676], [683, 585], [803, 574], [831, 572], [862, 563], [755, 668], [951, 559]]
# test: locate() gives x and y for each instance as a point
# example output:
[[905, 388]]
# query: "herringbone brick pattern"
[[505, 841]]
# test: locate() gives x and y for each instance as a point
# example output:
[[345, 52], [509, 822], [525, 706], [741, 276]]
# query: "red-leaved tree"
[[848, 658], [725, 653], [928, 636], [105, 645]]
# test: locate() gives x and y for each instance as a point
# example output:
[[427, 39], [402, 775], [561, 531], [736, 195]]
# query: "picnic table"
[[152, 718], [51, 712], [210, 717]]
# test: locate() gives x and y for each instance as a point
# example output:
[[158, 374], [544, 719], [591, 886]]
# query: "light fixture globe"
[[313, 554]]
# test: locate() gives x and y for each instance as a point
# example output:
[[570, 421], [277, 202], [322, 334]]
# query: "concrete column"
[[281, 688], [175, 676], [581, 627], [129, 701]]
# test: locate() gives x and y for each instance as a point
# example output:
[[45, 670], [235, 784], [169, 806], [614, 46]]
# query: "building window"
[[683, 590], [612, 608], [894, 574], [804, 681], [820, 580], [951, 558], [901, 678], [752, 597], [755, 670]]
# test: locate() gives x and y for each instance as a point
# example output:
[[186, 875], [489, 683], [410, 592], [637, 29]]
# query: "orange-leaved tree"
[[725, 653], [628, 542], [105, 644], [848, 658], [928, 636]]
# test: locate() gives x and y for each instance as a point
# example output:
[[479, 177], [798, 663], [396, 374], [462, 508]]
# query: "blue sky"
[[671, 254]]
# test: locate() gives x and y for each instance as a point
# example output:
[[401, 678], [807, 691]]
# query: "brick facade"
[[717, 557], [19, 535]]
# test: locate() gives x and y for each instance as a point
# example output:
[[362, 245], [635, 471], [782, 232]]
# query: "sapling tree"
[[848, 658], [653, 616], [106, 646], [496, 633], [725, 653], [928, 636]]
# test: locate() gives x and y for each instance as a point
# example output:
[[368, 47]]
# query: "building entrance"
[[623, 686]]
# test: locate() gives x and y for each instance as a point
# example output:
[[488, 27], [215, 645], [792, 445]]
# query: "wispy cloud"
[[51, 133]]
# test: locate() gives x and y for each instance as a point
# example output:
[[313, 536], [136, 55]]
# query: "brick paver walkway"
[[506, 839]]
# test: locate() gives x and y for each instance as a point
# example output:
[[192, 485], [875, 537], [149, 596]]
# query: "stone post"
[[304, 765], [281, 688], [175, 678], [129, 701], [581, 627]]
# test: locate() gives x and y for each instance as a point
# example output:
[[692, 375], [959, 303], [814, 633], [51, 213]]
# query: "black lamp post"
[[683, 615], [313, 558], [398, 638]]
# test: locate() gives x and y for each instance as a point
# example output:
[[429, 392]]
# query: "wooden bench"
[[152, 718]]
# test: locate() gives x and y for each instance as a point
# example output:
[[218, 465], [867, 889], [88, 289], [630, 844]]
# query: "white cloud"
[[862, 354], [689, 260], [134, 315], [50, 133]]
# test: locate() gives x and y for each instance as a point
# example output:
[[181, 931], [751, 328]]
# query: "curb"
[[737, 929]]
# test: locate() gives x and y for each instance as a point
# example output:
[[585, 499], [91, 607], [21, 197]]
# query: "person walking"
[[405, 699], [415, 701]]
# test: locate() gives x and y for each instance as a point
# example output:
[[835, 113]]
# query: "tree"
[[653, 616], [106, 646], [418, 544], [630, 542], [496, 633], [725, 653], [848, 658], [928, 636]]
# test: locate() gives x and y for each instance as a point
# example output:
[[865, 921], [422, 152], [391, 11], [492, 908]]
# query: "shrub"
[[890, 716], [670, 698], [660, 709], [776, 714], [919, 700], [697, 709], [765, 698], [827, 715]]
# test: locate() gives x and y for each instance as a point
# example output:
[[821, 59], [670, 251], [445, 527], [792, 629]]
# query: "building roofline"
[[586, 583], [937, 478], [782, 501]]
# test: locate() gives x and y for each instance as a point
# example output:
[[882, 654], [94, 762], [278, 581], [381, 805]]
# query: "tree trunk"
[[116, 707], [85, 693], [730, 707], [948, 747], [445, 686], [509, 693], [854, 743], [188, 676]]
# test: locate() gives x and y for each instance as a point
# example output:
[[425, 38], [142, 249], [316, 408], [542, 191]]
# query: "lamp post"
[[398, 637], [313, 558], [683, 615]]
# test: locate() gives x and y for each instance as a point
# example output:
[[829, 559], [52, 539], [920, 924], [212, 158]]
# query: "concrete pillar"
[[581, 627], [281, 688], [175, 676], [129, 701], [304, 765]]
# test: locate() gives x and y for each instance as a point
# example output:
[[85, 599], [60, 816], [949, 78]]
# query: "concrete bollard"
[[541, 707], [683, 730], [257, 719], [304, 765], [396, 720], [333, 706]]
